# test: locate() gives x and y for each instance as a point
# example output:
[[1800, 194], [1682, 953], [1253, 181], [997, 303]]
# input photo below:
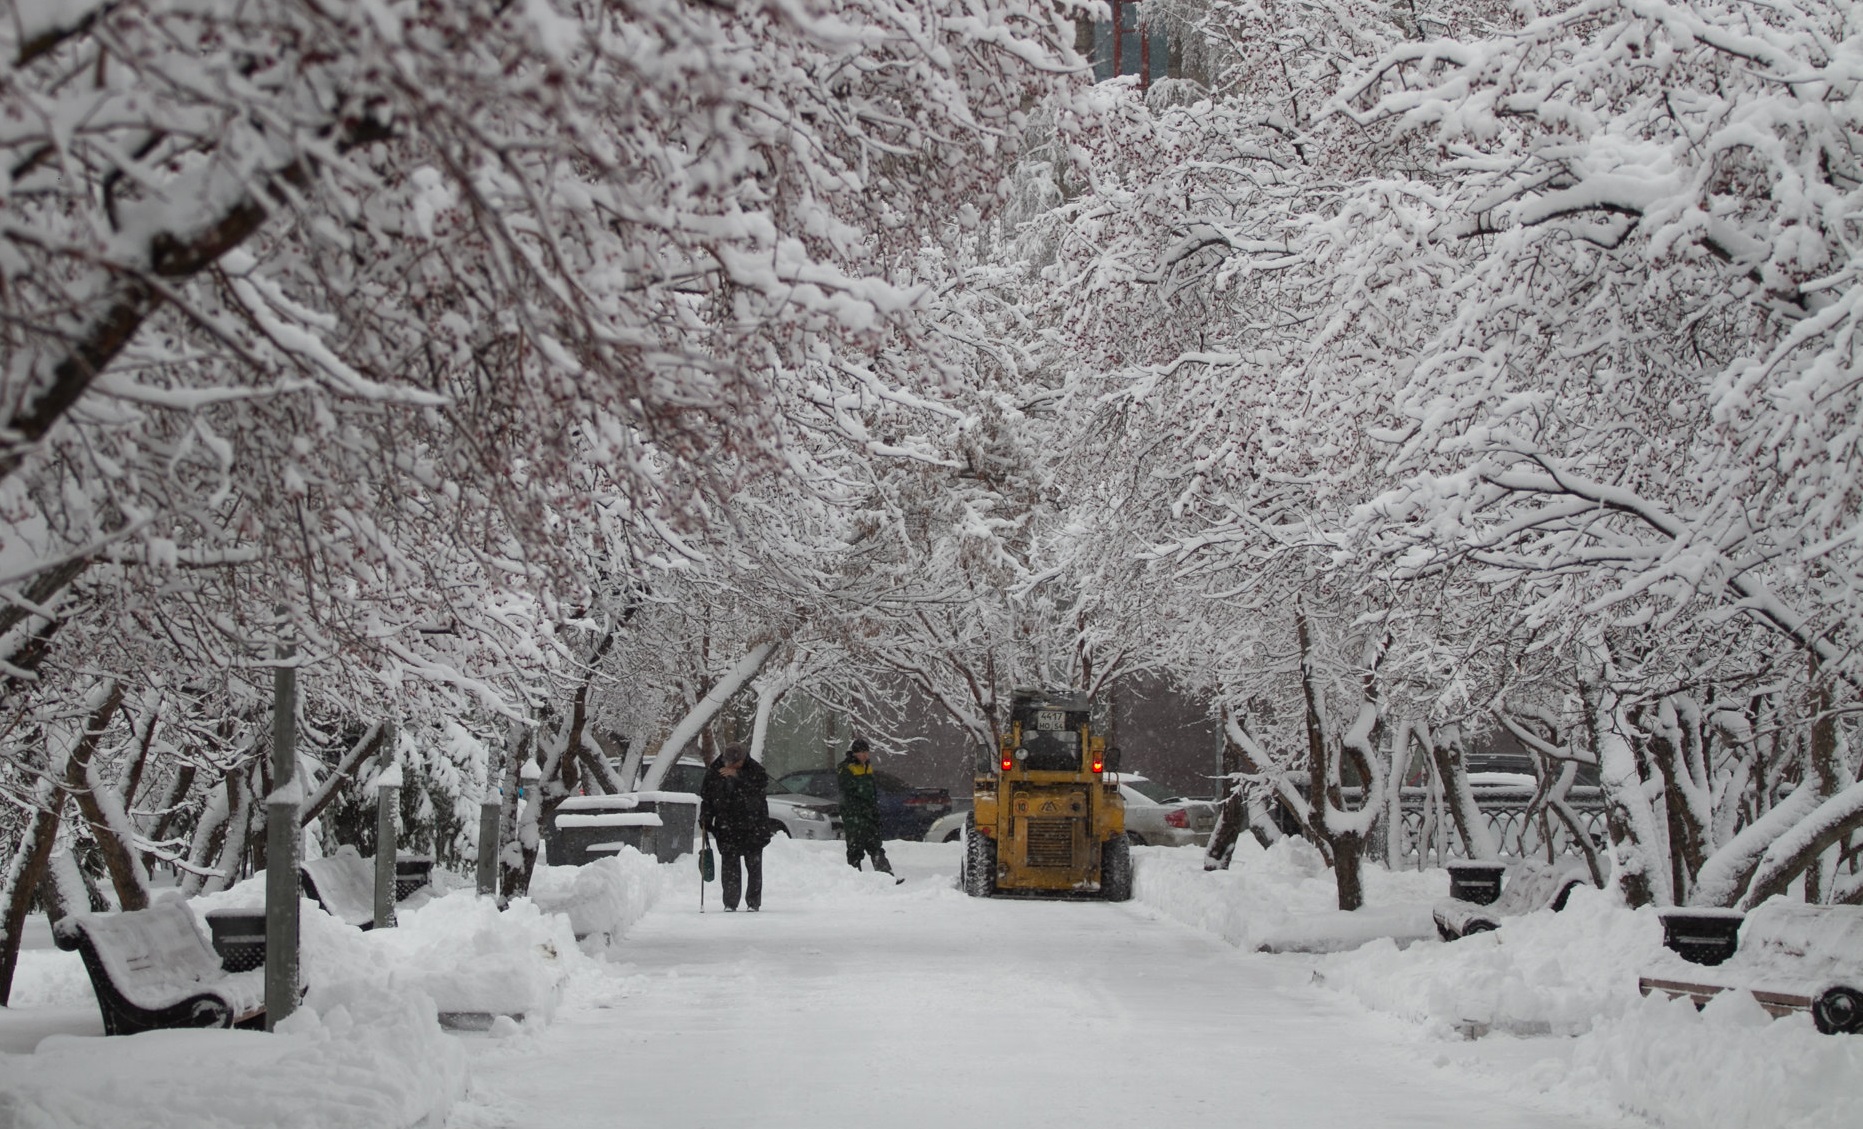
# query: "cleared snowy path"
[[849, 1002]]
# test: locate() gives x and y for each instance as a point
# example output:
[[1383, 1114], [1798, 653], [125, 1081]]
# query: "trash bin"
[[1701, 936], [584, 828], [239, 937], [1476, 881], [411, 873]]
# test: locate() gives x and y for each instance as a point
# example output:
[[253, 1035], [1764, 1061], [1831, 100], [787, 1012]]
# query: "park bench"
[[1530, 886], [344, 884], [1790, 956], [154, 968]]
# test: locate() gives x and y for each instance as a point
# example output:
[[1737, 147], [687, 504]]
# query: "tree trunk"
[[1635, 844], [1348, 857], [1343, 848], [204, 846], [1231, 820], [1800, 848], [24, 873], [104, 813], [1471, 826], [513, 866], [236, 840]]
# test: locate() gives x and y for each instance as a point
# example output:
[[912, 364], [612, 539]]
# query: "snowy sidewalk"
[[851, 1002]]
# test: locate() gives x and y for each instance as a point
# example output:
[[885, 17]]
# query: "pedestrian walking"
[[732, 809], [860, 809]]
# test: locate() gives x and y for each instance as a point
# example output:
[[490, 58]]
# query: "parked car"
[[1157, 816], [948, 828], [905, 811], [1154, 816], [797, 816], [804, 817]]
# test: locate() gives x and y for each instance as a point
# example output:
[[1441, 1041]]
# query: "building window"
[[1120, 47]]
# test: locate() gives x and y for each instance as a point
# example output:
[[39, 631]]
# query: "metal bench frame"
[[88, 933], [1531, 885], [1792, 957]]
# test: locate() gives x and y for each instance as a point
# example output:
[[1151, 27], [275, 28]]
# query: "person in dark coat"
[[860, 809], [733, 810]]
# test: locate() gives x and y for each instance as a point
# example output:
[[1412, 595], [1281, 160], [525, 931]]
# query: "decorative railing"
[[1426, 835], [1428, 832]]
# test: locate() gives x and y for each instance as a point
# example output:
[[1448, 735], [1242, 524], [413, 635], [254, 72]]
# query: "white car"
[[804, 817], [1154, 817], [948, 828], [799, 817]]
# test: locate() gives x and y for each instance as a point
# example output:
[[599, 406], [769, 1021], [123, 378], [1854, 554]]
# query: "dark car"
[[905, 811]]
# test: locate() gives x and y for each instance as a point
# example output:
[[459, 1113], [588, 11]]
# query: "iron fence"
[[1427, 832]]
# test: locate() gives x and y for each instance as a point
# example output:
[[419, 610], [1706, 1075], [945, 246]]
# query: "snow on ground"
[[365, 1049], [850, 1000], [1553, 995]]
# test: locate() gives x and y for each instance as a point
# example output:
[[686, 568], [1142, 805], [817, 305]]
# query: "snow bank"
[[348, 1057], [1540, 974], [602, 899], [1729, 1066], [1559, 989], [366, 1047], [1282, 898]]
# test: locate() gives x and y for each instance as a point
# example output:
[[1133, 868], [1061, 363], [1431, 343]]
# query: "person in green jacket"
[[860, 809]]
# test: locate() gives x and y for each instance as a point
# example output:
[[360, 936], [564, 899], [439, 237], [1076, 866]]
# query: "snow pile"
[[1541, 973], [602, 899], [1282, 898], [472, 959], [366, 1047], [1562, 985], [794, 869], [1730, 1065], [348, 1057]]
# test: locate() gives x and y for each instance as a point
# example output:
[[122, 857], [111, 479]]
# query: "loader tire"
[[1116, 869], [979, 870]]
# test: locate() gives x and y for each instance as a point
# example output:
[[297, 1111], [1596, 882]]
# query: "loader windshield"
[[1051, 750]]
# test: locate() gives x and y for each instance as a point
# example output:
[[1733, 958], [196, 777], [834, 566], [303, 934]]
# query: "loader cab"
[[1049, 740]]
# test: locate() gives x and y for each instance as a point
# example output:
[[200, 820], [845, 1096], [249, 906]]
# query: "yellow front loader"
[[1046, 821]]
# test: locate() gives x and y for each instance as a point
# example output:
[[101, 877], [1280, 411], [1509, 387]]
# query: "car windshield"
[[1150, 789], [887, 782], [821, 785], [683, 778]]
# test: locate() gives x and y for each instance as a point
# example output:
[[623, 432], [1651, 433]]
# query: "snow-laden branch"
[[702, 712]]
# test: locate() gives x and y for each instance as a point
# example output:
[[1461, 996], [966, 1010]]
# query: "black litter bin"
[[239, 937], [1701, 936], [411, 873], [1478, 882]]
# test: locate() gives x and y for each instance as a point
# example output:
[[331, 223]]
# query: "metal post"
[[282, 848], [387, 798], [489, 812]]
